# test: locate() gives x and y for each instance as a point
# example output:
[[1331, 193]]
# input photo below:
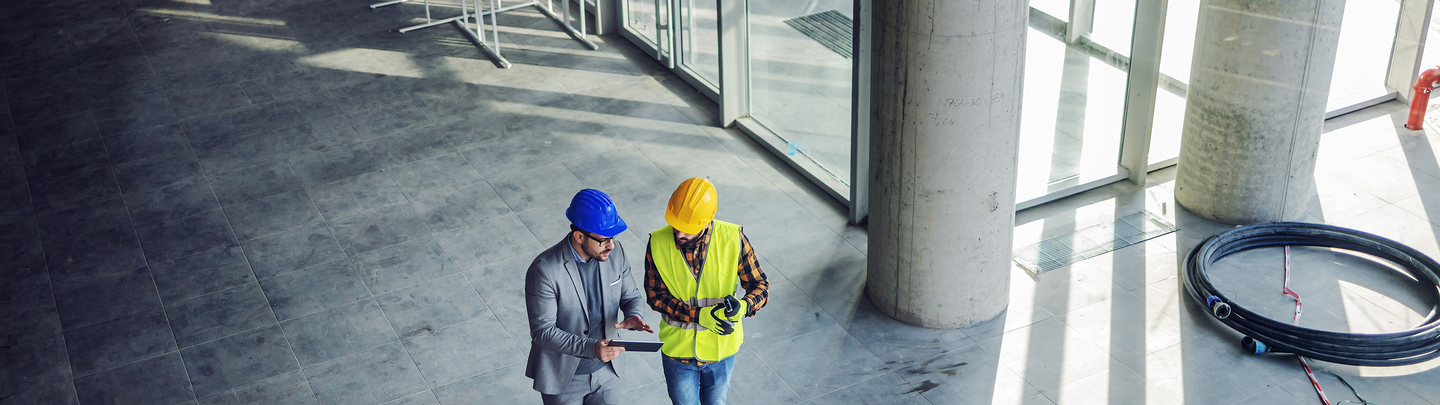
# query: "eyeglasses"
[[602, 242]]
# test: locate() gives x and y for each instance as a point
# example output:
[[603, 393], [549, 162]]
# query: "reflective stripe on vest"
[[719, 276]]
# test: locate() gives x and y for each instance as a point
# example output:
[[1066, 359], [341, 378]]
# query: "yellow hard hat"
[[692, 206]]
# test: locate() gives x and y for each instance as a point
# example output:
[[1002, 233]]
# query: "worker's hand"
[[605, 352], [707, 317], [634, 322], [735, 308]]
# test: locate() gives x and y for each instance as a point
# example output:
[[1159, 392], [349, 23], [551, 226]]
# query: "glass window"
[[800, 77], [642, 18], [1074, 107], [1180, 19], [1367, 34], [700, 39]]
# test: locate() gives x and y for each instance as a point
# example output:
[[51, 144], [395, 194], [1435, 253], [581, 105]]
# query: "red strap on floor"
[[1318, 391]]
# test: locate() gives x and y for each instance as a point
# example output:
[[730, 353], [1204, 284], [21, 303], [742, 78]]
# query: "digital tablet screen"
[[637, 346]]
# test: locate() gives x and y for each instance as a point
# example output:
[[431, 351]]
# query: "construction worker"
[[692, 269], [573, 291]]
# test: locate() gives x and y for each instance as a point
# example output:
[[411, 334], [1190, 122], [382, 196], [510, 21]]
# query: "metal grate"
[[1064, 250], [829, 28]]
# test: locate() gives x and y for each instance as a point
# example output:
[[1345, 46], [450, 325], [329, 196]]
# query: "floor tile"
[[384, 227], [155, 172], [337, 332], [313, 289], [536, 186], [202, 102], [1273, 395], [506, 385], [433, 175], [614, 168], [238, 360], [755, 382], [501, 285], [73, 191], [409, 146], [24, 266], [373, 376], [160, 380], [420, 398], [119, 341], [225, 127], [62, 393], [469, 130], [202, 273], [969, 375], [308, 108], [885, 389], [220, 314], [106, 297], [445, 209], [1021, 349], [231, 155], [1125, 326], [514, 154], [822, 361], [429, 306], [369, 94], [142, 144], [316, 135], [65, 160], [488, 241], [71, 263], [463, 350], [179, 200], [286, 389], [48, 132], [291, 250], [35, 360], [390, 120], [355, 195], [254, 182], [270, 215], [345, 160], [1177, 369], [173, 239], [548, 222], [281, 87]]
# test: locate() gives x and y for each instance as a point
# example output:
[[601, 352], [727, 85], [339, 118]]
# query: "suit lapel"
[[574, 272]]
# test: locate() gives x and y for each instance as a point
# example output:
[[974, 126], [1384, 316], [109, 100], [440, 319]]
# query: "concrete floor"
[[284, 203]]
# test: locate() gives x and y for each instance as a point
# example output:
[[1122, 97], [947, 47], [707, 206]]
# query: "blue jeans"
[[690, 384]]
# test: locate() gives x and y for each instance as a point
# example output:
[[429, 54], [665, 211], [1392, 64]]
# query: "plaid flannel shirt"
[[752, 277]]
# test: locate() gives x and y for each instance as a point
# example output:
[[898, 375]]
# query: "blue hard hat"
[[593, 211]]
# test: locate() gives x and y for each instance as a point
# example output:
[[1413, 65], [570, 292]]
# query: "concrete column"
[[944, 132], [1259, 81]]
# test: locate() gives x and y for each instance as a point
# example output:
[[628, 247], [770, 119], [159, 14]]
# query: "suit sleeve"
[[630, 299], [541, 306]]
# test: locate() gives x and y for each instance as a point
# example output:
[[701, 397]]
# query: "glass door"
[[1074, 101], [800, 78], [682, 34]]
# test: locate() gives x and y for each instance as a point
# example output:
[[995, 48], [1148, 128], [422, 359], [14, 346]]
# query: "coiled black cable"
[[1418, 344]]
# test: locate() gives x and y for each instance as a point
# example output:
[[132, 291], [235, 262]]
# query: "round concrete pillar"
[[944, 134], [1259, 82]]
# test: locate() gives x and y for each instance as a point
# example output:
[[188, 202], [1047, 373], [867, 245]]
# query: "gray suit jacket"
[[555, 302]]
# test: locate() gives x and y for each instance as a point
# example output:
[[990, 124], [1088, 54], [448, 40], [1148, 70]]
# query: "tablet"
[[637, 346]]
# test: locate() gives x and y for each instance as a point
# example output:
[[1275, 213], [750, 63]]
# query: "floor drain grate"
[[1064, 250], [829, 28]]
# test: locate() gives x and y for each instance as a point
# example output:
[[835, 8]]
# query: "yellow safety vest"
[[719, 276]]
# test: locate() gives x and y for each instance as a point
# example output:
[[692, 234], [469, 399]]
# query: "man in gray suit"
[[572, 292]]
